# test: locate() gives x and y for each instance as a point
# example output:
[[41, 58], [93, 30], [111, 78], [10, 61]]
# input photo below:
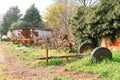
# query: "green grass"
[[109, 69], [61, 78], [28, 54]]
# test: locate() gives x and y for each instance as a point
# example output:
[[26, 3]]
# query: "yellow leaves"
[[55, 14], [58, 8]]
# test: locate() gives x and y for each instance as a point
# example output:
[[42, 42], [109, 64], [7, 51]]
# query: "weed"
[[61, 78], [55, 62]]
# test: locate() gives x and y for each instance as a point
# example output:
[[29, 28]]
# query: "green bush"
[[93, 23]]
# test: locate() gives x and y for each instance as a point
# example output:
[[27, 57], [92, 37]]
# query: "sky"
[[23, 5]]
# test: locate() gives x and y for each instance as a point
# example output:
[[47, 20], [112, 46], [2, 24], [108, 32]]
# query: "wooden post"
[[47, 55]]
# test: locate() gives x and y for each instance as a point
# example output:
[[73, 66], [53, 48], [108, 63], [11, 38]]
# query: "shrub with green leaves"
[[93, 23]]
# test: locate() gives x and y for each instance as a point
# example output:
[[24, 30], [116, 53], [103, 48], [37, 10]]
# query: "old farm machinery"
[[101, 52], [23, 36], [98, 53]]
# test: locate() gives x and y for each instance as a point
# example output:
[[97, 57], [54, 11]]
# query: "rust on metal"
[[65, 56], [111, 45], [25, 36]]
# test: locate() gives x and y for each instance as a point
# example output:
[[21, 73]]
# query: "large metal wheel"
[[85, 46], [101, 52]]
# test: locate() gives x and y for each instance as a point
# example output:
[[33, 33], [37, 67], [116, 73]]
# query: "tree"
[[33, 17], [56, 15], [94, 23], [78, 2], [78, 25], [88, 2], [72, 6], [19, 24], [0, 29], [12, 15], [59, 14]]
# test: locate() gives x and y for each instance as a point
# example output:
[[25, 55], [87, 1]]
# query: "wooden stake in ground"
[[47, 55]]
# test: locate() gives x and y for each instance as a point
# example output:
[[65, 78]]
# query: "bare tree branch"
[[88, 2], [83, 2], [80, 2], [94, 3]]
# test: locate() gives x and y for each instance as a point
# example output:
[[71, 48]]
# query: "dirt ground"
[[18, 71]]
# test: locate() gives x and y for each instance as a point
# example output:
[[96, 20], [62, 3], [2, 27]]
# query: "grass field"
[[109, 69]]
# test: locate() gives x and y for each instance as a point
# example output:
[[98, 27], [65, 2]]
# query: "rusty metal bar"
[[66, 56]]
